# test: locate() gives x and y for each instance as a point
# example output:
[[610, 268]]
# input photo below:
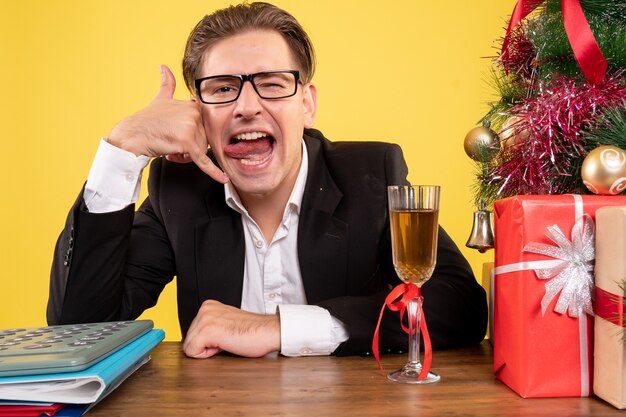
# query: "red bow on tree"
[[586, 50]]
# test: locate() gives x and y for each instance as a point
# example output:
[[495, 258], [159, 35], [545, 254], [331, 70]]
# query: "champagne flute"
[[413, 212]]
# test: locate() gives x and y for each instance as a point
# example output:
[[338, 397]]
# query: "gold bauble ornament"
[[481, 144], [511, 134], [604, 170]]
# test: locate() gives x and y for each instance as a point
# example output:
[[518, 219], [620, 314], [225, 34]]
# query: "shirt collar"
[[295, 199]]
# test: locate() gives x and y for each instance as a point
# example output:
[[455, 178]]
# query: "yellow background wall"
[[406, 71]]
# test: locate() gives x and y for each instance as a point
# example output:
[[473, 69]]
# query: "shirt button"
[[258, 244], [305, 351], [271, 295], [130, 177]]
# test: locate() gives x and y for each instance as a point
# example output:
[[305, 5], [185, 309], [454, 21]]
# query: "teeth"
[[250, 135], [254, 161]]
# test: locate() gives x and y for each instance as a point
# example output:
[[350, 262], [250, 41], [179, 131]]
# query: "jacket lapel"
[[220, 251], [322, 238]]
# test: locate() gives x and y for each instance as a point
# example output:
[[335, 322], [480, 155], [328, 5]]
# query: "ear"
[[309, 98]]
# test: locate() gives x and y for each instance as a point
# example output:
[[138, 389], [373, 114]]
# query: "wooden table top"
[[174, 385]]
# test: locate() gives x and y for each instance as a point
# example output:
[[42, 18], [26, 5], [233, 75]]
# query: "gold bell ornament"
[[481, 237]]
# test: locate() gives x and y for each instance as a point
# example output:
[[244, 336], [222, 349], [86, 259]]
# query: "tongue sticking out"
[[249, 149]]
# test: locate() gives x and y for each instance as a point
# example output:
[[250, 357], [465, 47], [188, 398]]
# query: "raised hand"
[[167, 127], [218, 327]]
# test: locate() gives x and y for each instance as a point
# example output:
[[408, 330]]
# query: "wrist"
[[121, 138], [273, 324]]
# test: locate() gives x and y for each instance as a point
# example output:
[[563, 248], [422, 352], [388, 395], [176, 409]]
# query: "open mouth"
[[250, 148]]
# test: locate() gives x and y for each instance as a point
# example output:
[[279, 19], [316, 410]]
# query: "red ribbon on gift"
[[406, 292], [586, 49], [610, 307]]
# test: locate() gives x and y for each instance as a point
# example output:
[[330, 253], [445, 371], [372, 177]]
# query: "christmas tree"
[[559, 125]]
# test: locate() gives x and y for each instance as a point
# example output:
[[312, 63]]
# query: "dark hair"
[[240, 18]]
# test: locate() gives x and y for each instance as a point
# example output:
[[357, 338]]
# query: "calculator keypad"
[[73, 335], [23, 350]]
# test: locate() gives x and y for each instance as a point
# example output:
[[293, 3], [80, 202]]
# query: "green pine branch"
[[610, 129], [554, 53]]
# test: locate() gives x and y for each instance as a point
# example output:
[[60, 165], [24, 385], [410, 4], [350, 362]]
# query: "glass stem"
[[414, 309]]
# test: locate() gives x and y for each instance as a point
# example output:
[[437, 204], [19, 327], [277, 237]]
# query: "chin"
[[252, 186]]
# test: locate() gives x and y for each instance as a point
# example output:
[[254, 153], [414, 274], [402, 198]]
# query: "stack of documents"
[[67, 393]]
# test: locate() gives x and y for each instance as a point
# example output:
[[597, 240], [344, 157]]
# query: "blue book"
[[87, 386], [73, 410]]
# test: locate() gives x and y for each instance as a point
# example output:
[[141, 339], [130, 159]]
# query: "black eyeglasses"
[[269, 85]]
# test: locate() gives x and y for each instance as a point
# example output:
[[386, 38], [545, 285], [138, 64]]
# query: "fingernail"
[[162, 70]]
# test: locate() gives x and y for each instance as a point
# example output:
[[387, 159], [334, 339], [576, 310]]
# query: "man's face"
[[257, 142]]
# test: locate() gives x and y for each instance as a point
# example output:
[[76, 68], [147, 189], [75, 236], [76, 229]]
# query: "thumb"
[[168, 83]]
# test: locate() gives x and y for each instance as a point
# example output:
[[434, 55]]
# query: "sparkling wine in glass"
[[413, 212]]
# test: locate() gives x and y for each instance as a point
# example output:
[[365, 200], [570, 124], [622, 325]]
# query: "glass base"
[[409, 373]]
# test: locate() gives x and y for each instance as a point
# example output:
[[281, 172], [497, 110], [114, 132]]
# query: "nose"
[[248, 104]]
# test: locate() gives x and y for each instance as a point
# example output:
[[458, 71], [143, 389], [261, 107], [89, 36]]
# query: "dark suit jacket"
[[114, 266]]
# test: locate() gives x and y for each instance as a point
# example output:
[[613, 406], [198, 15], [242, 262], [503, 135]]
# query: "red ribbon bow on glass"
[[586, 50], [406, 292]]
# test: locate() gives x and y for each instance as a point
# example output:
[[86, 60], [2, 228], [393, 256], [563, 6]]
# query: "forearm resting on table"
[[298, 330], [219, 327]]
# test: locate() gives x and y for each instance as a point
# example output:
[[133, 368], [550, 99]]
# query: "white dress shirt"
[[272, 278]]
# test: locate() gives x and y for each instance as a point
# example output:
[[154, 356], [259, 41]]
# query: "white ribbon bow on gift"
[[572, 274]]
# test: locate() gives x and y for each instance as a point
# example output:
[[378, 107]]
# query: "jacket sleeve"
[[98, 269], [87, 269]]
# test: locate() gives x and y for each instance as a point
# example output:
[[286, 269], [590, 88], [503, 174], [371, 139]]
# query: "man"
[[287, 249]]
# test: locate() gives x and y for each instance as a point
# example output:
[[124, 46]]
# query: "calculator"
[[64, 348]]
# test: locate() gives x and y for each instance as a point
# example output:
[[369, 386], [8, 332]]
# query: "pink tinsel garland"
[[561, 110]]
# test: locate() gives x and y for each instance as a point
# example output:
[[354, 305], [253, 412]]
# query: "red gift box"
[[539, 352]]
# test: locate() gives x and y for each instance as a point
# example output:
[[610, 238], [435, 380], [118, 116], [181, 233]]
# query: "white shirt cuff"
[[308, 330], [114, 179]]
